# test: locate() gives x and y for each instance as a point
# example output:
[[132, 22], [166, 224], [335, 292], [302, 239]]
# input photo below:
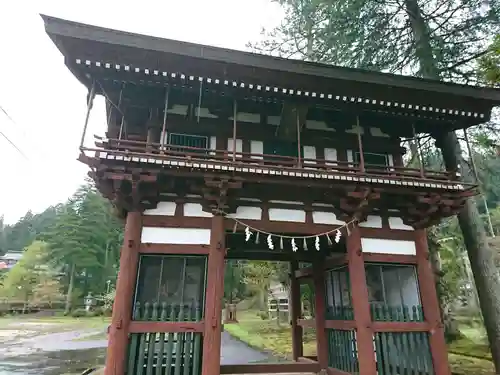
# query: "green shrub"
[[264, 315], [79, 313]]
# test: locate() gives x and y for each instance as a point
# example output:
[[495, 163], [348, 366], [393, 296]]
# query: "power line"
[[6, 114], [13, 145], [7, 138]]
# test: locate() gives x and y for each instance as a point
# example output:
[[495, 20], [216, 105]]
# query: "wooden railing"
[[165, 352], [132, 148]]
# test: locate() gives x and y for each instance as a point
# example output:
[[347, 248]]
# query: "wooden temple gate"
[[176, 291], [196, 160], [355, 336]]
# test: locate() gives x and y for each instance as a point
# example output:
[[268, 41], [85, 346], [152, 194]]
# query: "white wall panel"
[[176, 236], [382, 246], [163, 209]]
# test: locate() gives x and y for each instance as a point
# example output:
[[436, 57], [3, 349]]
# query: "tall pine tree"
[[435, 39]]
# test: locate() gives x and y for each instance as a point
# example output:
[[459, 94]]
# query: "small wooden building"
[[212, 154]]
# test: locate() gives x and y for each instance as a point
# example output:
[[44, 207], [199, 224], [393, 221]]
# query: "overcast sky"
[[47, 104]]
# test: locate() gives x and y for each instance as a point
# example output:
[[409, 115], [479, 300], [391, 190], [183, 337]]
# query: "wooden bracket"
[[216, 192]]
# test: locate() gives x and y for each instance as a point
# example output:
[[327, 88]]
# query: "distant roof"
[[12, 255], [153, 56]]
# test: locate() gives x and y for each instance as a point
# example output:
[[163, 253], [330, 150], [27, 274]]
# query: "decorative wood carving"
[[135, 186], [218, 193]]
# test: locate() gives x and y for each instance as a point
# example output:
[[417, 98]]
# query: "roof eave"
[[59, 27]]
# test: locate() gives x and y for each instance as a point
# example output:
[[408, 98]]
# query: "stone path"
[[235, 352], [29, 353]]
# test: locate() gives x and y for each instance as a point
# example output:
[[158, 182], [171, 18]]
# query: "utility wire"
[[7, 138]]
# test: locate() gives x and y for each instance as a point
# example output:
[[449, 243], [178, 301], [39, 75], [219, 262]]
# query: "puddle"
[[24, 351], [63, 362]]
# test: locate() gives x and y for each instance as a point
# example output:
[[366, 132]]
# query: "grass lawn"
[[267, 336]]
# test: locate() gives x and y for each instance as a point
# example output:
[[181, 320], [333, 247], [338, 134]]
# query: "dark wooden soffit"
[[81, 41]]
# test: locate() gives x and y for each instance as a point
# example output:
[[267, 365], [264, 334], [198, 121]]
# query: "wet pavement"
[[235, 352], [27, 351], [30, 350]]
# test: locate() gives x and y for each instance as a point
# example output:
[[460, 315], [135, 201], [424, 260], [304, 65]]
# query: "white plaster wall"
[[239, 145], [248, 213], [355, 129], [247, 117], [372, 222], [162, 209], [257, 147], [176, 236], [318, 125], [323, 217], [397, 223], [331, 156], [282, 214], [204, 112], [273, 120], [195, 210], [350, 157], [382, 246], [178, 109], [309, 152], [376, 132], [213, 144]]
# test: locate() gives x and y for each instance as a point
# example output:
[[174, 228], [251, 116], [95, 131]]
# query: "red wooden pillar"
[[214, 295], [122, 306], [360, 304], [320, 314], [430, 305], [295, 312]]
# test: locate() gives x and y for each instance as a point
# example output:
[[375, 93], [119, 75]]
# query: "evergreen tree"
[[434, 39], [84, 242]]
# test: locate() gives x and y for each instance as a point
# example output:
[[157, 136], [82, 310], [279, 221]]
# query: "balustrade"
[[195, 151]]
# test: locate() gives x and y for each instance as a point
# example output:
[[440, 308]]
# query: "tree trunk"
[[69, 295], [481, 259], [451, 328]]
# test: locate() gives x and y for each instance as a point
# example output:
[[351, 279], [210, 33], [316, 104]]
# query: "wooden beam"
[[270, 368], [320, 314], [430, 305], [360, 303], [306, 323], [214, 294], [389, 258], [295, 313], [156, 248], [400, 327], [343, 325], [122, 306], [334, 371], [328, 263], [154, 327]]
